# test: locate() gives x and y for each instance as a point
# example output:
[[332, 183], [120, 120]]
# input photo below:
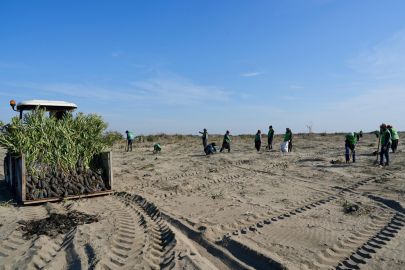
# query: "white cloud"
[[162, 89], [290, 97], [296, 87], [384, 60], [115, 54], [174, 89], [12, 65], [94, 93], [251, 74], [365, 111], [137, 65]]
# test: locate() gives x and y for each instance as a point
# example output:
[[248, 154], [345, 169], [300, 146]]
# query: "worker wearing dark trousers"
[[204, 137], [394, 138], [157, 148], [385, 145], [226, 142], [130, 138], [288, 138], [361, 133], [210, 148], [377, 133], [350, 143], [270, 137], [258, 140]]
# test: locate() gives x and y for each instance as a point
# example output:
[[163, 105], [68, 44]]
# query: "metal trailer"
[[15, 169]]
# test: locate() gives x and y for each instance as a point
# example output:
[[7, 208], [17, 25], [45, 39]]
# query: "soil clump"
[[56, 224]]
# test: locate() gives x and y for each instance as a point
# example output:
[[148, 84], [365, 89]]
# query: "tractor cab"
[[55, 108]]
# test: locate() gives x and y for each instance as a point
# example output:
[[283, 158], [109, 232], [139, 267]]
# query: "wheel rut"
[[355, 250], [142, 238]]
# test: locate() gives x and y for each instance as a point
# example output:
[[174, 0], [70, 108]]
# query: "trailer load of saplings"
[[62, 156]]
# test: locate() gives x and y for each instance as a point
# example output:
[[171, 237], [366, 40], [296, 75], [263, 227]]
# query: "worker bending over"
[[157, 147], [350, 143], [210, 148]]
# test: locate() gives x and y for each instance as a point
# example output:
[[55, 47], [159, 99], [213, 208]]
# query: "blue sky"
[[181, 66]]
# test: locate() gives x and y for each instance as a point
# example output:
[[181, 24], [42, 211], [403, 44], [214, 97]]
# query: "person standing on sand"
[[394, 138], [209, 149], [270, 136], [385, 145], [288, 138], [377, 133], [361, 133], [258, 140], [226, 142], [204, 137], [350, 143], [130, 138]]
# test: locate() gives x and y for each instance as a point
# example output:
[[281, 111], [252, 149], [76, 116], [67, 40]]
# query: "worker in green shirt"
[[270, 136], [157, 147], [394, 138], [210, 148], [385, 145], [258, 140], [204, 137], [350, 143], [130, 138], [361, 133], [377, 133], [226, 142], [288, 138]]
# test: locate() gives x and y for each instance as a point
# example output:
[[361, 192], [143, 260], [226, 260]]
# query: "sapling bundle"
[[62, 156]]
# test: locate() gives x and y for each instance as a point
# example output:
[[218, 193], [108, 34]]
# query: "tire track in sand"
[[255, 222], [14, 246], [142, 237], [353, 251], [163, 241], [130, 240]]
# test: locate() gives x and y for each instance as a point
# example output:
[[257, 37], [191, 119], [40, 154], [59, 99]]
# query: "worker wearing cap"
[[350, 143], [204, 137], [226, 142], [385, 145], [130, 138], [258, 140], [270, 136], [288, 138], [394, 138], [210, 148]]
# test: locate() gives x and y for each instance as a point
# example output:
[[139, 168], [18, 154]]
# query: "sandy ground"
[[245, 209]]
